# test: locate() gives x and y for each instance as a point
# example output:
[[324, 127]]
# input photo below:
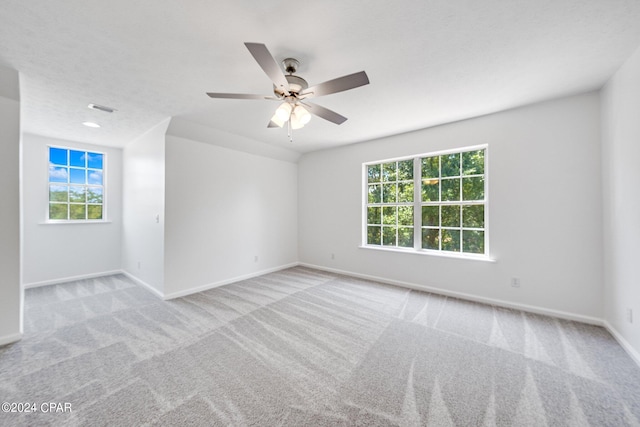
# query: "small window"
[[76, 185], [432, 202]]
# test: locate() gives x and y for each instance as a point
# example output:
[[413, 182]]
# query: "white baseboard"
[[623, 342], [69, 279], [8, 339], [143, 284], [465, 296], [227, 281]]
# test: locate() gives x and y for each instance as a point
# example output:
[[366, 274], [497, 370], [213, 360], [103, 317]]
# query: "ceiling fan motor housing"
[[296, 85]]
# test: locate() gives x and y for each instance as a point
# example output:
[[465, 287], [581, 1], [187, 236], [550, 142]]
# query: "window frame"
[[103, 186], [418, 204]]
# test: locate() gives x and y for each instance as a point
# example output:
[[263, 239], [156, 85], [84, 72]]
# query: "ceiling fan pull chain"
[[289, 132]]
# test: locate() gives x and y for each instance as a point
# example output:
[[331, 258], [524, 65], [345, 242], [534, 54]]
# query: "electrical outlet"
[[515, 282], [333, 256], [139, 265], [629, 315], [255, 258]]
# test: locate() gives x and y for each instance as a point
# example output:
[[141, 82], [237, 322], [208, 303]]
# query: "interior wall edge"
[[466, 296], [142, 283], [70, 279], [9, 339], [208, 286], [622, 341]]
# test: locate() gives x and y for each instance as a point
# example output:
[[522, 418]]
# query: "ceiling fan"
[[293, 91]]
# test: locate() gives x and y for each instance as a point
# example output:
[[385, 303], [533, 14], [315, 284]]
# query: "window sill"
[[75, 222], [470, 257]]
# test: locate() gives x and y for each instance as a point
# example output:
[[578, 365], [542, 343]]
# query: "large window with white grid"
[[76, 185], [435, 202]]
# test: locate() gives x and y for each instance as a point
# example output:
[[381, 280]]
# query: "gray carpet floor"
[[302, 347]]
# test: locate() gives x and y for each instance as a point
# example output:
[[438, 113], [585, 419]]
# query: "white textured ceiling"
[[429, 62]]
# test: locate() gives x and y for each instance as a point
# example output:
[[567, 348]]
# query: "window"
[[76, 184], [432, 202]]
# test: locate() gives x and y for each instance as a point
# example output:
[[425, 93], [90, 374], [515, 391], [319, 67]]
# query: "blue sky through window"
[[77, 158], [94, 160], [57, 156]]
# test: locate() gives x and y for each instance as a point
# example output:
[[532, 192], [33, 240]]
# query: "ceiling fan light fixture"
[[295, 122], [284, 111], [276, 119], [302, 114]]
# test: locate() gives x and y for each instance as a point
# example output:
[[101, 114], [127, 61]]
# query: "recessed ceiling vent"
[[101, 108]]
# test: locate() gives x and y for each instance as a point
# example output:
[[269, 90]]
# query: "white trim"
[[436, 253], [8, 339], [228, 281], [69, 279], [74, 221], [623, 342], [469, 297], [144, 284]]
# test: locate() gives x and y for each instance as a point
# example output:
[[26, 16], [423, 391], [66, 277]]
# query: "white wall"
[[10, 293], [544, 215], [621, 188], [55, 252], [143, 208], [223, 208]]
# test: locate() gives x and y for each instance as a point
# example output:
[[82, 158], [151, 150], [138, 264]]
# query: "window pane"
[[77, 194], [57, 156], [94, 177], [451, 216], [389, 171], [405, 192], [473, 188], [451, 189], [405, 170], [373, 235], [58, 174], [451, 164], [430, 190], [430, 238], [77, 176], [373, 173], [77, 158], [405, 237], [389, 236], [94, 160], [373, 215], [77, 211], [94, 195], [430, 167], [94, 212], [58, 210], [473, 241], [389, 215], [374, 193], [405, 215], [473, 216], [59, 193], [451, 240], [473, 162], [389, 193], [431, 215]]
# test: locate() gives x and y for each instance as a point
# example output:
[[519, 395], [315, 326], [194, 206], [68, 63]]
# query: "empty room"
[[329, 213]]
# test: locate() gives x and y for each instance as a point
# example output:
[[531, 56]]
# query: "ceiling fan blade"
[[325, 113], [272, 124], [340, 84], [268, 64], [237, 96]]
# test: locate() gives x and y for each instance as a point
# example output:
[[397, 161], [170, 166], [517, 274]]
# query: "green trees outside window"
[[432, 202]]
